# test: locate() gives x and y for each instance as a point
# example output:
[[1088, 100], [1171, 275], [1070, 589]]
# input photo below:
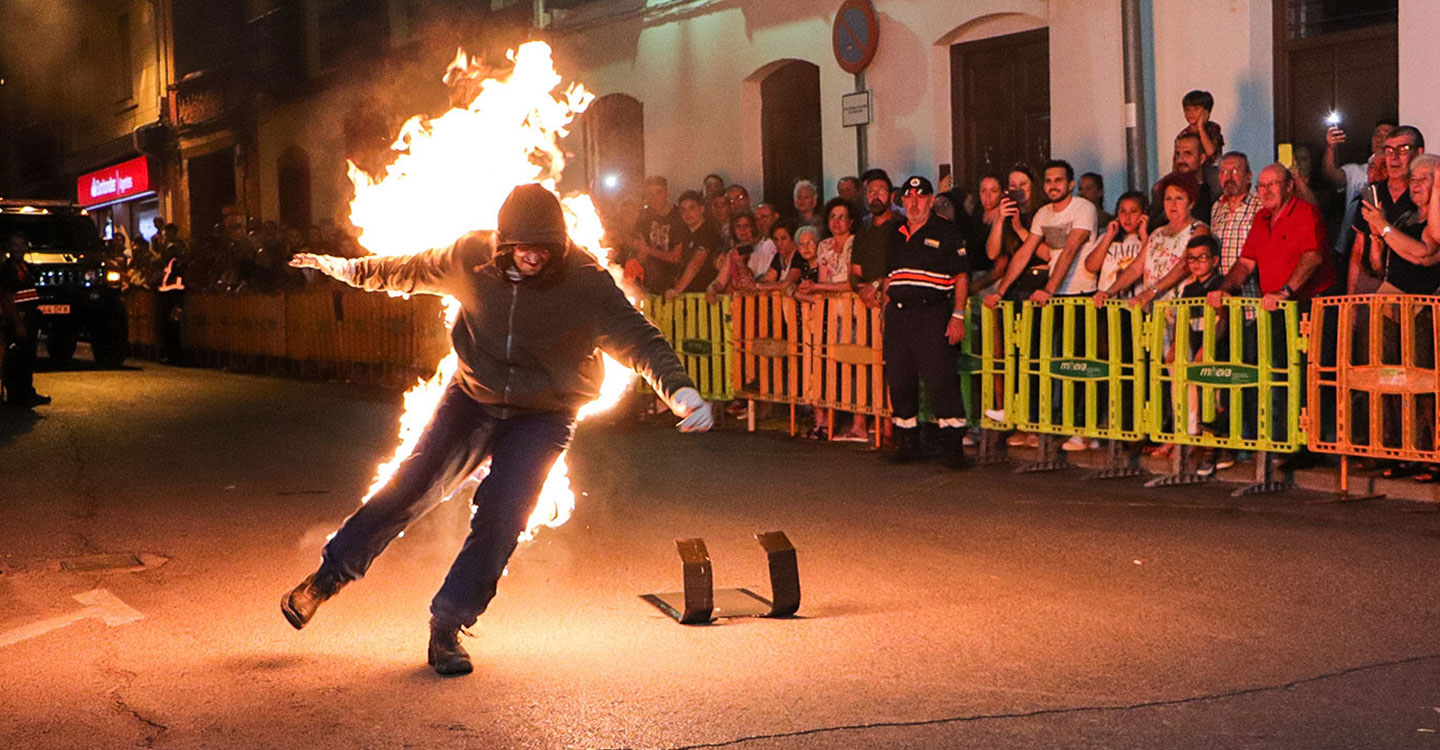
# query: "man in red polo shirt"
[[1286, 245]]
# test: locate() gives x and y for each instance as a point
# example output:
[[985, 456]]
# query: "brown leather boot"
[[447, 656], [300, 604]]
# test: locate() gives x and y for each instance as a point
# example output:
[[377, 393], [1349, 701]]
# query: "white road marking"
[[99, 605]]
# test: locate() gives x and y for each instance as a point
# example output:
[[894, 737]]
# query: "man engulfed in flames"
[[531, 312], [535, 313]]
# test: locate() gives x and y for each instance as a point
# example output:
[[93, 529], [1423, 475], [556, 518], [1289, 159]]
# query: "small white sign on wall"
[[855, 109]]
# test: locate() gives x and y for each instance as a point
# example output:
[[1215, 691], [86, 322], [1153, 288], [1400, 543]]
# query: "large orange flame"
[[450, 175]]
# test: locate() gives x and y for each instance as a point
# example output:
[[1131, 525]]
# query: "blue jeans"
[[460, 436]]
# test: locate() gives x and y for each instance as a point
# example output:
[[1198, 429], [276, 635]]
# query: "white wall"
[[696, 78], [1087, 90], [1224, 47], [1419, 97]]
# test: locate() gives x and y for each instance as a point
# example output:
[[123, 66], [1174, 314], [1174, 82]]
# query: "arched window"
[[790, 131]]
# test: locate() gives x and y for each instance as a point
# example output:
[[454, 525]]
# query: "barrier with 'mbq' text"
[[1215, 371], [1080, 369], [1373, 378], [699, 331]]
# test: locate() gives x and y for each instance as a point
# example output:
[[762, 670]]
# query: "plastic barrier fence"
[[972, 364], [1373, 377], [700, 332], [1216, 375], [843, 355], [1079, 369], [142, 310], [766, 337], [997, 366]]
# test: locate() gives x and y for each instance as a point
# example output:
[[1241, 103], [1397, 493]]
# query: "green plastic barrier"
[[997, 364], [969, 366], [1228, 378], [1080, 369], [700, 333]]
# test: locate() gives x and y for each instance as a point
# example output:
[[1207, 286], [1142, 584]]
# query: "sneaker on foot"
[[1016, 440], [1074, 444], [997, 415]]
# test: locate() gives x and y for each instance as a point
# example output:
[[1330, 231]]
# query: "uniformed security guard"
[[19, 321], [924, 320]]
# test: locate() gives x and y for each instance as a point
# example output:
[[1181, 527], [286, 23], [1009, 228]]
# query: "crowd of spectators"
[[237, 255], [1206, 229]]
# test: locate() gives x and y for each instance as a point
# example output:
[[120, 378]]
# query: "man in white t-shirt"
[[1060, 229]]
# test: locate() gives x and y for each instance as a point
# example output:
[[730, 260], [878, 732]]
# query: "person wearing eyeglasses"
[[1401, 147]]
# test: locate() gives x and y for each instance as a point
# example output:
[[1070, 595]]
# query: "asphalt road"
[[978, 609]]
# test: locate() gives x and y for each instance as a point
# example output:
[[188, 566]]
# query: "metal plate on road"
[[90, 563], [740, 602]]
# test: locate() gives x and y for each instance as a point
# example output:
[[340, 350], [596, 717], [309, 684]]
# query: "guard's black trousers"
[[460, 436], [917, 351], [17, 372]]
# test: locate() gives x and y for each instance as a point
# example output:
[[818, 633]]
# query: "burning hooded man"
[[535, 312]]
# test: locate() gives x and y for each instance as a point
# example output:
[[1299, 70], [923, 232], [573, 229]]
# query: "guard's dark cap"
[[918, 184]]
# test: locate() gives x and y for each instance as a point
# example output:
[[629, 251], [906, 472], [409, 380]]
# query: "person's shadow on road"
[[15, 422]]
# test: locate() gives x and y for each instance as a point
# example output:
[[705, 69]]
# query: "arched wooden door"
[[790, 131], [613, 131]]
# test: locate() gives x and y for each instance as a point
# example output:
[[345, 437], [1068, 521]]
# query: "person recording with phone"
[[1392, 198], [1352, 179]]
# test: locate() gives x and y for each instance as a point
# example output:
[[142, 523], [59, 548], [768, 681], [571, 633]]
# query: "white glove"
[[337, 268], [694, 410]]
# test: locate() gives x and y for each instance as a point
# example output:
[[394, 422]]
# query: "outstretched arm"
[[427, 272]]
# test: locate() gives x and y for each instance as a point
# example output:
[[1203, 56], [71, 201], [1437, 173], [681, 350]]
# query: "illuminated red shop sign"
[[114, 183]]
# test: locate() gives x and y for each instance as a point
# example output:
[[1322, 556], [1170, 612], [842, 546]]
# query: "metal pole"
[[862, 144], [1137, 176]]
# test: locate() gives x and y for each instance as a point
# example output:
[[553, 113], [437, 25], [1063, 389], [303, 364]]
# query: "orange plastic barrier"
[[766, 338], [1373, 381], [142, 311], [844, 362]]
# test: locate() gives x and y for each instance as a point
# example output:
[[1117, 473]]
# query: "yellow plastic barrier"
[[700, 333], [1080, 369], [1216, 373], [997, 365]]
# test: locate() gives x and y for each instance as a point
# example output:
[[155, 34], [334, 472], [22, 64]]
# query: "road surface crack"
[[1063, 710], [152, 728]]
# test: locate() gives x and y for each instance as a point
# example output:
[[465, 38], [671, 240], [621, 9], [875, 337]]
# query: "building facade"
[[250, 110]]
